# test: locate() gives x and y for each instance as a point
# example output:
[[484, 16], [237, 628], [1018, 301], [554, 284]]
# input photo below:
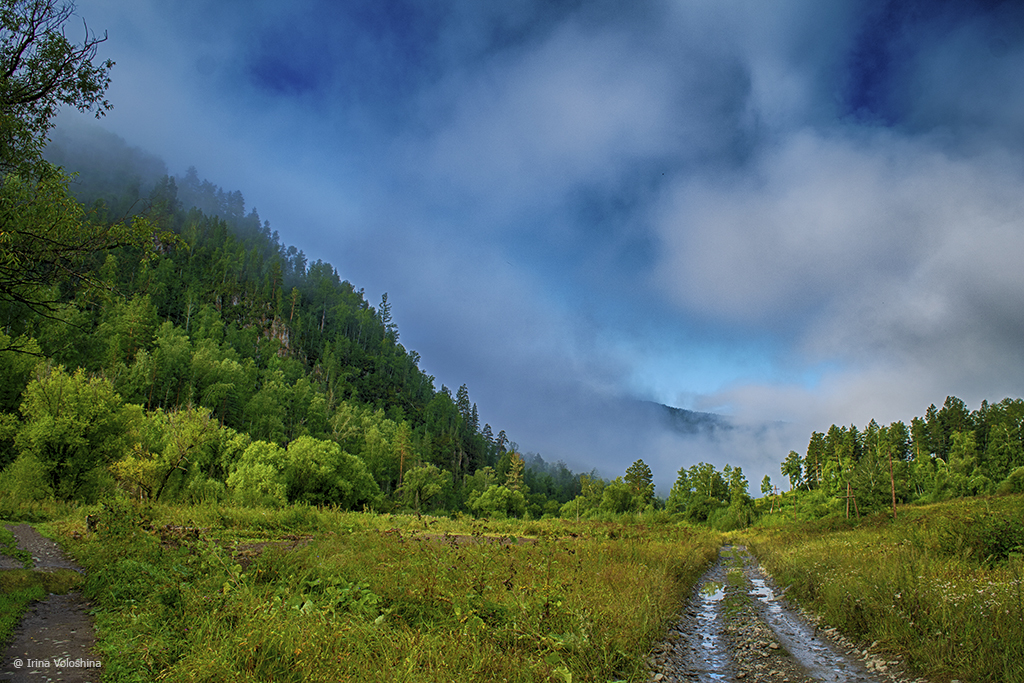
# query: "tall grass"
[[942, 585], [310, 595]]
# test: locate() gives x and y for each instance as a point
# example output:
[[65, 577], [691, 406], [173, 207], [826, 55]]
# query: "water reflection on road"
[[821, 660]]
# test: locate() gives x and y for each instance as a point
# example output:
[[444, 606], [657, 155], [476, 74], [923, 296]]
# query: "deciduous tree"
[[74, 426], [641, 482]]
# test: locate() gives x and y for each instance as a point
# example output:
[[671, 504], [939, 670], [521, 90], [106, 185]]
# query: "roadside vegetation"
[[221, 593], [943, 585]]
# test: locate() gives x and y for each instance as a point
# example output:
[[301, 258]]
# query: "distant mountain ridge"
[[689, 422]]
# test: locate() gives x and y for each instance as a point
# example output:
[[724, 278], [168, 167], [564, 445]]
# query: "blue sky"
[[796, 213]]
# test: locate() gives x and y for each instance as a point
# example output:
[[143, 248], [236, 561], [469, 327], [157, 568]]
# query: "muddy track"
[[737, 627], [55, 640]]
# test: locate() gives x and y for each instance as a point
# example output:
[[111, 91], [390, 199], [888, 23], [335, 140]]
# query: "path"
[[736, 628], [55, 639]]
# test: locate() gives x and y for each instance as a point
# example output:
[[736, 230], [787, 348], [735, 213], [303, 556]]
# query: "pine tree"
[[640, 481]]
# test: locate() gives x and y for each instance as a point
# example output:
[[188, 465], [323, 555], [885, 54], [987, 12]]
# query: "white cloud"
[[527, 127]]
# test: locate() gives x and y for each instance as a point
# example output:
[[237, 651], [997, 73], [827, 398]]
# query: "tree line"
[[949, 452]]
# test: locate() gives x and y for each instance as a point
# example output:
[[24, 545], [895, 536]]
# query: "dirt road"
[[736, 627], [55, 639]]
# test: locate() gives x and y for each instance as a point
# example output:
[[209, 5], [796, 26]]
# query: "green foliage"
[[45, 240], [18, 358], [74, 426], [591, 495], [318, 472], [950, 452], [498, 501], [641, 482], [27, 480], [514, 474], [792, 468], [618, 497], [679, 496], [257, 479], [1013, 483], [422, 485]]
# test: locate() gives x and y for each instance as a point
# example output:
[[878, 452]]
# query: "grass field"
[[230, 594], [218, 593]]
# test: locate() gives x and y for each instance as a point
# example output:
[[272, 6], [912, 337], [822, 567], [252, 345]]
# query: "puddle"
[[713, 590], [698, 649], [709, 656], [821, 660]]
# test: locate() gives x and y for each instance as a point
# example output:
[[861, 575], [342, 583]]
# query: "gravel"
[[736, 627]]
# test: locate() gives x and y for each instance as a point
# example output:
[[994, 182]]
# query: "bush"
[[986, 539], [26, 479], [499, 501], [1013, 483]]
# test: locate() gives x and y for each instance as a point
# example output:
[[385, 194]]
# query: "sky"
[[794, 213]]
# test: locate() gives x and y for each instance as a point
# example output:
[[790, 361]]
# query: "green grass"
[[942, 585], [9, 546], [315, 595]]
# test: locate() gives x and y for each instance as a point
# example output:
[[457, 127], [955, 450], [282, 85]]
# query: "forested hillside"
[[213, 361]]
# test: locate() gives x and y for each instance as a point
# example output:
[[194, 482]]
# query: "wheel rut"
[[55, 640], [737, 627]]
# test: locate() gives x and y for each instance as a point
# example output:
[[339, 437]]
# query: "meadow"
[[941, 585], [225, 593], [217, 593]]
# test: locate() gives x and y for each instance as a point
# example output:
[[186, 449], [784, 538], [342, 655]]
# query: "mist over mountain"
[[689, 421], [597, 431], [107, 167]]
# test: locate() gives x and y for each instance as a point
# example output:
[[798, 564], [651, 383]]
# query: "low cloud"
[[816, 203]]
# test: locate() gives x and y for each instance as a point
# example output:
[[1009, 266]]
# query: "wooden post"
[[892, 483], [848, 496]]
